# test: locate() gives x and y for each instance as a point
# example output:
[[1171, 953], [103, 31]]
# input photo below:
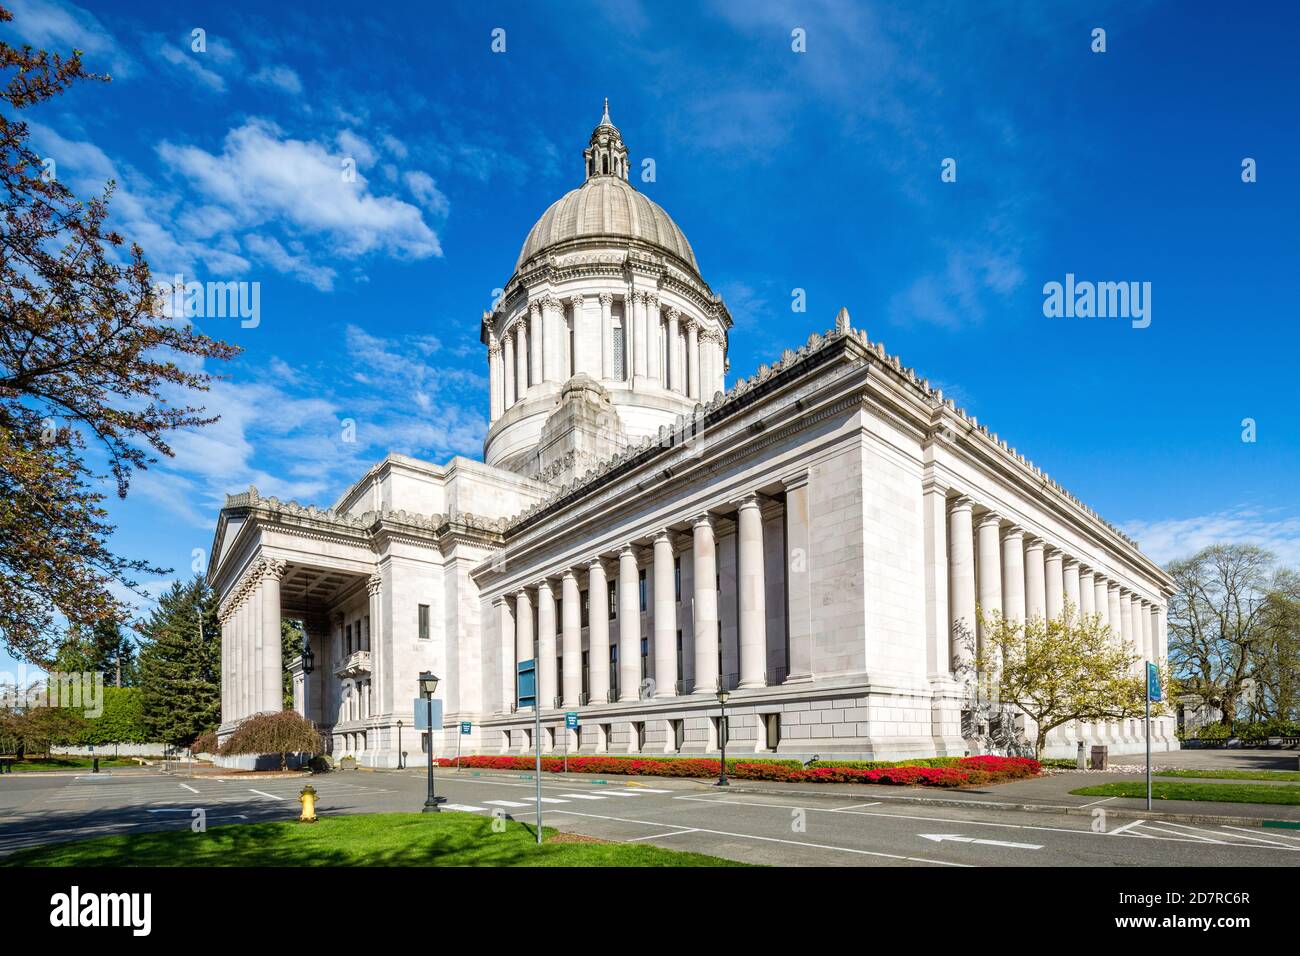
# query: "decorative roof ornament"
[[842, 322], [605, 154]]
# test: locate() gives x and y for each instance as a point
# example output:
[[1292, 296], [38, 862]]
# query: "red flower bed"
[[969, 770]]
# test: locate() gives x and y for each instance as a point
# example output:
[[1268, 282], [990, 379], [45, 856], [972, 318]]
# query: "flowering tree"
[[1059, 669], [84, 360]]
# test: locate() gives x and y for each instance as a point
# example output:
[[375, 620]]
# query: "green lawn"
[[387, 839], [1217, 792], [1291, 776], [68, 763]]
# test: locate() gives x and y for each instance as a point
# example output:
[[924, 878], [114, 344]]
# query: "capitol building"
[[814, 536]]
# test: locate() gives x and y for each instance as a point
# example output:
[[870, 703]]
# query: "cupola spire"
[[605, 154]]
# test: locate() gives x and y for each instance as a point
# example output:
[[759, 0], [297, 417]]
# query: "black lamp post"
[[722, 736], [428, 684], [401, 764]]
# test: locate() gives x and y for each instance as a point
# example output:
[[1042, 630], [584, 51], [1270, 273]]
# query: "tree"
[[180, 664], [85, 356], [280, 733], [1059, 669], [1219, 621], [291, 635], [1276, 667], [104, 649]]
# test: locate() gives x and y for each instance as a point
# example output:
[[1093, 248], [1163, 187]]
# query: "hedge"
[[952, 772]]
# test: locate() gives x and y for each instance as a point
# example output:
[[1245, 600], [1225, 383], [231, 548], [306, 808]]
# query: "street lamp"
[[400, 763], [428, 684], [722, 736]]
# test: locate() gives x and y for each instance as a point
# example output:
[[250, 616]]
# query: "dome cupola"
[[606, 155]]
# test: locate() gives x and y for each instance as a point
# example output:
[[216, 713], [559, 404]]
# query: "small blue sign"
[[571, 720], [466, 726], [1153, 682], [526, 683], [420, 708]]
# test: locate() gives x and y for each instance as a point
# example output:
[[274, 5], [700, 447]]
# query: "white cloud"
[[191, 65], [262, 176], [292, 261], [1168, 539], [62, 27], [280, 77], [426, 191]]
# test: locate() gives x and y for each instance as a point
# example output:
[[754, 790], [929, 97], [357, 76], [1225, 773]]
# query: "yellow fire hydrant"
[[308, 800]]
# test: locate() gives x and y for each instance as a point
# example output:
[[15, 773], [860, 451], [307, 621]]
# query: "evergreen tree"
[[180, 664], [102, 648]]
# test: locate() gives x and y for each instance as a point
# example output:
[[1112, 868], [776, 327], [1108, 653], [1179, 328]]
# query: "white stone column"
[[638, 333], [521, 358], [1126, 619], [798, 580], [378, 648], [665, 650], [576, 350], [1114, 614], [597, 632], [707, 375], [751, 583], [546, 689], [1013, 574], [553, 341], [494, 380], [674, 364], [509, 369], [1054, 583], [1035, 578], [934, 506], [227, 671], [720, 363], [989, 564], [506, 645], [961, 583], [693, 358], [536, 344], [705, 562], [1148, 631], [571, 642], [1162, 632], [654, 339], [629, 626], [1087, 593], [523, 627], [606, 335], [1072, 585]]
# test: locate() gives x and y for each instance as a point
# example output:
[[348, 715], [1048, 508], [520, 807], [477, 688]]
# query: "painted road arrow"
[[957, 838]]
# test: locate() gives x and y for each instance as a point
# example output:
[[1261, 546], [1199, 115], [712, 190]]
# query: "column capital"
[[577, 300], [990, 519], [375, 584], [1113, 586], [606, 298], [569, 575], [664, 535], [704, 520], [673, 314], [522, 594], [551, 302], [596, 562], [535, 307], [520, 330], [750, 499], [1055, 554], [652, 299], [1071, 563], [961, 503], [1036, 544], [544, 584], [627, 551], [1014, 531]]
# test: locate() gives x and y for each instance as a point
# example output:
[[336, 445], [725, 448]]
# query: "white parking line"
[[1128, 826], [463, 807], [1271, 833], [552, 800], [656, 836], [765, 839], [582, 796], [505, 803], [261, 793], [189, 788]]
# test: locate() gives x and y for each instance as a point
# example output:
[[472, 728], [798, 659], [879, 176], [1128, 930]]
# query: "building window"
[[720, 729], [365, 633], [347, 638], [645, 658], [640, 580], [613, 601], [613, 669], [618, 358], [773, 722], [679, 734], [639, 729], [680, 678], [586, 684], [585, 604], [424, 622], [677, 579]]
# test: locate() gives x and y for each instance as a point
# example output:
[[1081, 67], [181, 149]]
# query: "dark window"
[[677, 579], [585, 604], [365, 640], [773, 730], [679, 655], [424, 622], [640, 580], [586, 665], [679, 734], [619, 365], [347, 638], [613, 601], [613, 669], [645, 658]]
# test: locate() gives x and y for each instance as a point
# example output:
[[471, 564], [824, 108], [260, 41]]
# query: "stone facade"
[[816, 538]]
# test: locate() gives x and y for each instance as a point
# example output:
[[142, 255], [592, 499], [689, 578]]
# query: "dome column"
[[653, 335], [536, 364], [674, 360], [552, 340], [639, 335], [693, 358], [521, 358], [606, 336]]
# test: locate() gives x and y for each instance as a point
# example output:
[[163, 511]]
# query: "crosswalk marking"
[[649, 790], [552, 800], [582, 796], [463, 807], [505, 803]]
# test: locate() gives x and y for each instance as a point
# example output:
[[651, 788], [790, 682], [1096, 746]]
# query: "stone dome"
[[606, 206]]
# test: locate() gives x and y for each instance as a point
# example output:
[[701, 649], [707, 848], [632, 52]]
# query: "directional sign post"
[[570, 723], [1153, 693], [465, 727]]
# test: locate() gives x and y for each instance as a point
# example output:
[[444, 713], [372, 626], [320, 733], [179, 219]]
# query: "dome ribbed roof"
[[606, 206]]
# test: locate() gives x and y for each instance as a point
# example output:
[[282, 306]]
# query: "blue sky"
[[817, 171]]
